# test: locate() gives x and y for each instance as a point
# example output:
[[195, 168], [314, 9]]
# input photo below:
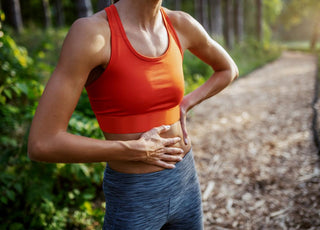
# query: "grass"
[[251, 55], [303, 46]]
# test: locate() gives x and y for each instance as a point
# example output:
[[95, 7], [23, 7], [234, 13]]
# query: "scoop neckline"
[[133, 50]]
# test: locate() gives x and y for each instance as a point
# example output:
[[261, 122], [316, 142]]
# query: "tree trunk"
[[228, 24], [47, 13], [315, 36], [15, 15], [205, 14], [201, 12], [103, 4], [178, 4], [59, 13], [216, 21], [198, 12], [84, 8], [259, 20], [238, 20]]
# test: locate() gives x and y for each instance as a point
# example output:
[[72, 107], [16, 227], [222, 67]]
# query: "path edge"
[[315, 124]]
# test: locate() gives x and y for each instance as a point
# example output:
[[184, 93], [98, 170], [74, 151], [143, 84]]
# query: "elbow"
[[36, 150], [234, 72]]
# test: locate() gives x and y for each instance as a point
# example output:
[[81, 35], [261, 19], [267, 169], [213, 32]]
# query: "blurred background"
[[69, 196]]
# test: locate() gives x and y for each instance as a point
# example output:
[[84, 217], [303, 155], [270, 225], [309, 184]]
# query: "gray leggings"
[[168, 199]]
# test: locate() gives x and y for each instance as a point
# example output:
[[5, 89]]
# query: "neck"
[[140, 12]]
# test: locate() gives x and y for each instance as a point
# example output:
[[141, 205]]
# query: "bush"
[[37, 195]]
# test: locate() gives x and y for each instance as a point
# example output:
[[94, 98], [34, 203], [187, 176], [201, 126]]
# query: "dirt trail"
[[254, 149]]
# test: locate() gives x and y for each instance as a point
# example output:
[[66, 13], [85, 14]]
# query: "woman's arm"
[[194, 38], [86, 46]]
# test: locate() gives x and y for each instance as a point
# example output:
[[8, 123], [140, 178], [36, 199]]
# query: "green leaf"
[[2, 99], [23, 87], [4, 199], [10, 194], [8, 93], [87, 207], [84, 169], [18, 187]]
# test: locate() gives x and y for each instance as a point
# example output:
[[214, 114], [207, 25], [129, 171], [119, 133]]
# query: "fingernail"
[[167, 126], [186, 141], [180, 158]]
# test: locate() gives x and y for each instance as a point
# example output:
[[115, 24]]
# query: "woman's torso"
[[139, 44]]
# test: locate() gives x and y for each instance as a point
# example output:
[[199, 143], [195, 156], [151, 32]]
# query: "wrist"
[[133, 150], [185, 105]]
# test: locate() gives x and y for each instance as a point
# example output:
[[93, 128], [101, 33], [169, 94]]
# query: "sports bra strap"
[[172, 30]]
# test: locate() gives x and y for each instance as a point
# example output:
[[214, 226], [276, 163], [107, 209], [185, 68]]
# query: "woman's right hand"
[[157, 150]]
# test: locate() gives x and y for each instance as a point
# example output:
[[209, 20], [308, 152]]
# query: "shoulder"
[[88, 39], [189, 30], [178, 18], [93, 29], [87, 42]]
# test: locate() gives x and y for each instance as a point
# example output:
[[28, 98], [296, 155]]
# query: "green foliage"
[[302, 46], [296, 10], [301, 18], [251, 54], [36, 195], [195, 72], [43, 45], [271, 10]]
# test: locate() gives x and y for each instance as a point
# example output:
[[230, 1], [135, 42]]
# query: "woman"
[[129, 58]]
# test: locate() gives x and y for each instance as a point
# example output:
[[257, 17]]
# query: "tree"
[[216, 22], [238, 20], [197, 10], [59, 13], [201, 12], [228, 24], [299, 10], [14, 14], [47, 13], [178, 4], [84, 8], [259, 20], [205, 14], [103, 4]]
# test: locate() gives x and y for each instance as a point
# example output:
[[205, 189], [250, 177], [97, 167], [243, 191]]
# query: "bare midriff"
[[137, 167]]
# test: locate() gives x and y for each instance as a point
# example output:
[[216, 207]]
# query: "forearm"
[[215, 84], [64, 147]]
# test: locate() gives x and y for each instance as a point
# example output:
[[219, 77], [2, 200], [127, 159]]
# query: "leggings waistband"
[[165, 180]]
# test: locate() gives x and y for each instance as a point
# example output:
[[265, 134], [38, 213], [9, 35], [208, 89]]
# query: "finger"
[[164, 164], [170, 141], [173, 151], [162, 128], [169, 158]]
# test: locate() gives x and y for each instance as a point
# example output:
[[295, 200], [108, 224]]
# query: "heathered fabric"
[[168, 199]]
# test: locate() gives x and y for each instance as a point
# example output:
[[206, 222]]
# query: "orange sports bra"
[[136, 93]]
